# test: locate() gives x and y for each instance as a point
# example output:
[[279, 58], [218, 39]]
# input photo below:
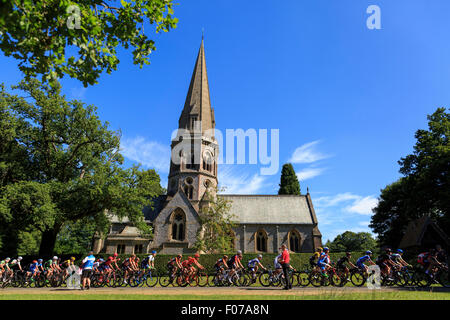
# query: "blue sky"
[[347, 100]]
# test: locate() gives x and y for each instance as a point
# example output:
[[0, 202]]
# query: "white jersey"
[[276, 264]]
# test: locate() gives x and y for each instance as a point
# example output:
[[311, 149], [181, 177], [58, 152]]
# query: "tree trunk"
[[48, 242]]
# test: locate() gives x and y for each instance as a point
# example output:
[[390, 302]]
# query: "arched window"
[[178, 225], [207, 162], [261, 241], [188, 188], [294, 241]]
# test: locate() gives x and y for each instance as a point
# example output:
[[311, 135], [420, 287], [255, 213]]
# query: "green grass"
[[400, 295]]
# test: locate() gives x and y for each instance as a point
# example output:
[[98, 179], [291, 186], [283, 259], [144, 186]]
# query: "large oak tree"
[[59, 163]]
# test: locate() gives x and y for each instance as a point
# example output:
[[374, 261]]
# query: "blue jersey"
[[252, 263], [363, 259], [33, 266], [88, 262], [324, 258]]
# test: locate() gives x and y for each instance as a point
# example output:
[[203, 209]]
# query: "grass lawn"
[[400, 295]]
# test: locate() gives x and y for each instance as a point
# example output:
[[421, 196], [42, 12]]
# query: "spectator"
[[87, 265], [284, 261]]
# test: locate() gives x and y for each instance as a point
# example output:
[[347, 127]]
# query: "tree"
[[80, 38], [215, 234], [75, 237], [59, 164], [289, 182], [351, 241], [424, 188]]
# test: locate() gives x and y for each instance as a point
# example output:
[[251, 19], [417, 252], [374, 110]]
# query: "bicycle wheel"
[[357, 278], [152, 279], [202, 279], [264, 279], [303, 279], [165, 280], [315, 279], [336, 280]]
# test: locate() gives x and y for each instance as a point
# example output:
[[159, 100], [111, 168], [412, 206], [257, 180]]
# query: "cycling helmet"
[[55, 258], [388, 250], [399, 250], [34, 261], [348, 253], [225, 256], [259, 256], [72, 258], [326, 249], [368, 252], [180, 255], [239, 252], [197, 255], [40, 260], [153, 252], [319, 249], [19, 258], [7, 259], [115, 254]]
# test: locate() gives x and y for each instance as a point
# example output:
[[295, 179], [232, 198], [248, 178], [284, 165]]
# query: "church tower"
[[195, 151]]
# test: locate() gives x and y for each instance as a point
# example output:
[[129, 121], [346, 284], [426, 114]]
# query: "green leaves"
[[289, 182], [351, 241], [37, 34], [60, 164], [425, 187], [216, 233]]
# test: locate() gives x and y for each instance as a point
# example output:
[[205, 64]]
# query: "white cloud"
[[331, 201], [78, 93], [239, 183], [363, 205], [150, 154], [309, 173], [307, 153]]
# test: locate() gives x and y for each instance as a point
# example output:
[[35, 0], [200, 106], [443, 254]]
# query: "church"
[[264, 222]]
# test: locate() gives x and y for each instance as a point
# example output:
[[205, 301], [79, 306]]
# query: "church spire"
[[198, 104]]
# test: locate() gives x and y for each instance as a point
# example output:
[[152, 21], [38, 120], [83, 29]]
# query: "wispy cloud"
[[309, 173], [308, 153], [78, 93], [240, 182], [363, 205], [150, 154]]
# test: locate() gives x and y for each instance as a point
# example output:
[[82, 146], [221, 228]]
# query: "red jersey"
[[188, 262]]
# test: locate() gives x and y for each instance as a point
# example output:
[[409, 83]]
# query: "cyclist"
[[15, 264], [429, 260], [315, 257], [385, 263], [221, 265], [149, 262], [188, 266], [128, 265], [4, 267], [253, 266], [398, 259], [367, 258], [324, 261], [65, 265], [234, 263], [33, 269], [277, 265], [341, 263], [173, 265]]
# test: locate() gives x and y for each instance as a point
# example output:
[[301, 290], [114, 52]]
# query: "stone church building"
[[264, 222]]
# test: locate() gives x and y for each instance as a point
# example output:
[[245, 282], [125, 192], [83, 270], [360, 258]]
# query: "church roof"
[[272, 209], [198, 102], [416, 230]]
